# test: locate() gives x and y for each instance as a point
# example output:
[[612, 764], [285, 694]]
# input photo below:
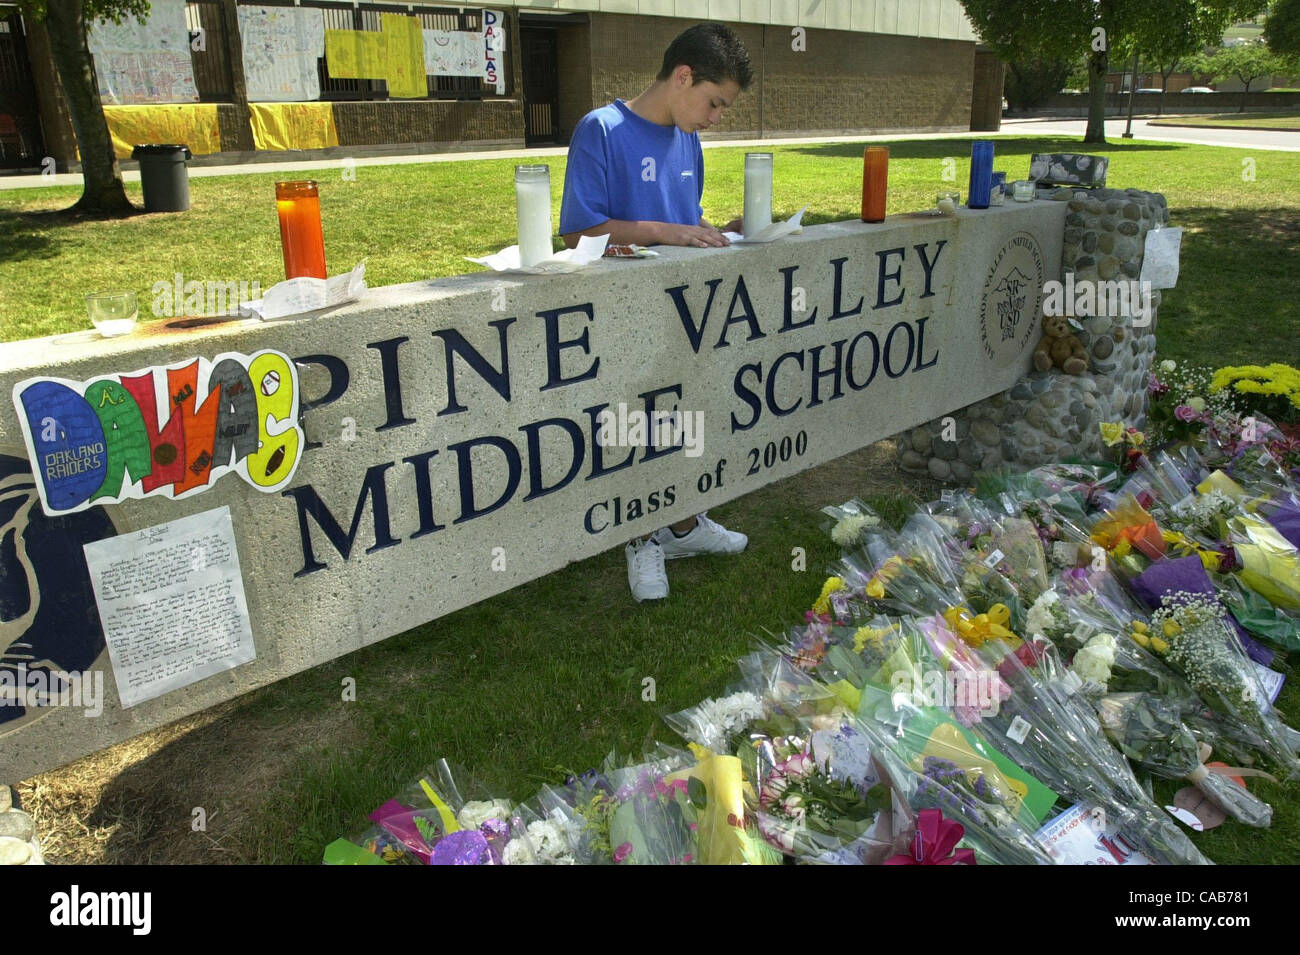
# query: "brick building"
[[820, 66]]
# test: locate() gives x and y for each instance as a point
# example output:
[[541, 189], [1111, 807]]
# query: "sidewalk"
[[1027, 126], [38, 181]]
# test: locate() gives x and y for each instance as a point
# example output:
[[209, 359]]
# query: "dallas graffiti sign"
[[168, 432]]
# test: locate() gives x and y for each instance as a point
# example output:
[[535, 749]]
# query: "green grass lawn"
[[1288, 120], [549, 676]]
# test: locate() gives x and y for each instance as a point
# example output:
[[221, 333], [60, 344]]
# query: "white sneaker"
[[645, 570], [707, 537]]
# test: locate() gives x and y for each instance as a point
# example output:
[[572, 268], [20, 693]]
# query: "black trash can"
[[164, 177]]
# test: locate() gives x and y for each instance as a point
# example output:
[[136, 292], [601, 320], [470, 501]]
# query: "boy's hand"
[[698, 236], [735, 225]]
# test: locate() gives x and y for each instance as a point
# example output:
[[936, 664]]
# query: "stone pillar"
[[1051, 416]]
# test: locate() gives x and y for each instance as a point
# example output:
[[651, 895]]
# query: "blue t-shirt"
[[622, 166]]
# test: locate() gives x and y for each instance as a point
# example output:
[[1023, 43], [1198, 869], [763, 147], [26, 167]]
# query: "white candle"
[[758, 192], [533, 205]]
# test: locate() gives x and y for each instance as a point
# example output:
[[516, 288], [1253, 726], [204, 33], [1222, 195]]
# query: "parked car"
[[1150, 90], [1197, 89]]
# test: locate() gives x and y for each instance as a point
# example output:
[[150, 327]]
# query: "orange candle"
[[301, 238], [875, 173]]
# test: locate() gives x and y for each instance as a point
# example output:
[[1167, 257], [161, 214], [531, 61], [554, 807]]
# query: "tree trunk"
[[1097, 64], [243, 139], [103, 193], [1244, 93]]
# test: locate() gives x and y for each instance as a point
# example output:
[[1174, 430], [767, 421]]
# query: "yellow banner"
[[186, 124], [395, 55], [293, 125], [405, 56]]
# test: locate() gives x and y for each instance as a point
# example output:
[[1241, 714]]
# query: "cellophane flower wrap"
[[1190, 635], [1149, 732]]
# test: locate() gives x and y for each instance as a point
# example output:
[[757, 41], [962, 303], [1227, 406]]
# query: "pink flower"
[[1186, 413], [622, 852]]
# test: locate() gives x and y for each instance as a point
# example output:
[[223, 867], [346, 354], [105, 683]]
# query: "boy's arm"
[[586, 199], [623, 232]]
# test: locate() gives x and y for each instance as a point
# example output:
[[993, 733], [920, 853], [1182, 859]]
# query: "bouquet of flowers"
[[1149, 732], [1130, 444], [1130, 536], [1056, 737], [1268, 390], [850, 523], [431, 823], [1190, 635], [935, 763], [1182, 402]]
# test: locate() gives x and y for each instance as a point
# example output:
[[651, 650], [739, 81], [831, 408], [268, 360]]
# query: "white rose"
[[1094, 661], [1168, 365], [474, 814]]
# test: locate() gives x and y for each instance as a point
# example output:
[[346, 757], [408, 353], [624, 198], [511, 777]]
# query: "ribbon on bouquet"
[[1201, 771], [934, 842], [977, 629]]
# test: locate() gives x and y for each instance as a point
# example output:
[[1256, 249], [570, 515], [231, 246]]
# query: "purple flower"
[[622, 852], [1186, 413]]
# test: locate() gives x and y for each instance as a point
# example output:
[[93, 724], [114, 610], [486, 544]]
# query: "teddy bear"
[[1060, 348]]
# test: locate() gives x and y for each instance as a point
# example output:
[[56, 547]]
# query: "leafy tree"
[[1067, 29], [1031, 81], [66, 23], [1248, 62], [1282, 28]]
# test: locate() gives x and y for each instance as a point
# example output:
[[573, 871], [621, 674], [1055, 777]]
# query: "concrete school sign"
[[460, 437]]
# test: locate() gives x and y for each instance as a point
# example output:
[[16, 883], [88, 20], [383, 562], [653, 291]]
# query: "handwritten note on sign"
[[171, 599]]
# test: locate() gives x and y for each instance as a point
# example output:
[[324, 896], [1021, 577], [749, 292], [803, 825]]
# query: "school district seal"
[[1012, 300]]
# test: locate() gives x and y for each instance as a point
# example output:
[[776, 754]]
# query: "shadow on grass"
[[26, 235], [1233, 300]]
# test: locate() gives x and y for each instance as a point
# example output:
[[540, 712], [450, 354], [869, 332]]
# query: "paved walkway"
[[1255, 139], [1142, 129]]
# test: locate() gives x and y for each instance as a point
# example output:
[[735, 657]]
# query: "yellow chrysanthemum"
[[823, 603], [865, 635]]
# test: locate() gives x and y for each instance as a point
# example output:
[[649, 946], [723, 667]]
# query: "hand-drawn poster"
[[172, 603], [454, 53], [281, 46], [163, 431], [145, 62]]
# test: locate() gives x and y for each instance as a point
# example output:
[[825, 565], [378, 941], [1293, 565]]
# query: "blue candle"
[[981, 174]]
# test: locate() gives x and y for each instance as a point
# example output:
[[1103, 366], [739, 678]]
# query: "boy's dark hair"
[[713, 52]]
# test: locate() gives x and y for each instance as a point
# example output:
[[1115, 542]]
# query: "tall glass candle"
[[875, 176], [981, 174], [758, 192], [533, 207], [301, 238]]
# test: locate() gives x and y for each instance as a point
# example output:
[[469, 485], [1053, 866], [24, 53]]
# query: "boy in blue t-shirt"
[[636, 173]]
